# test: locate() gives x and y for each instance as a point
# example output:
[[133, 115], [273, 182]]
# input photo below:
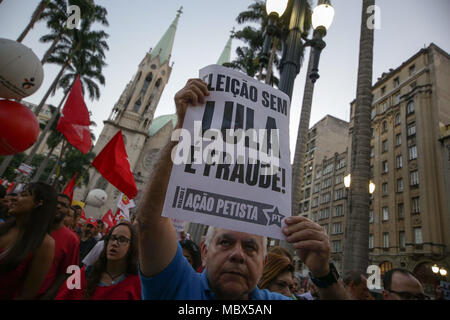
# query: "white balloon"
[[96, 198], [21, 72]]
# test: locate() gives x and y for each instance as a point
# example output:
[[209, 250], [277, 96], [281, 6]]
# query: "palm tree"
[[302, 137], [56, 17], [356, 239], [86, 55], [34, 18], [53, 140]]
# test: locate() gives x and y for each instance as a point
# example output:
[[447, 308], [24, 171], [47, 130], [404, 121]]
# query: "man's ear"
[[204, 249]]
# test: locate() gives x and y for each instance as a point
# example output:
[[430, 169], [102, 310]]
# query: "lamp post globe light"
[[293, 45]]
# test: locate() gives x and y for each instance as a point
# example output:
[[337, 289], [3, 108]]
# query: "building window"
[[339, 194], [385, 240], [326, 227], [385, 166], [412, 69], [341, 164], [398, 139], [374, 113], [412, 152], [337, 228], [414, 177], [327, 183], [396, 82], [315, 217], [336, 246], [397, 119], [371, 242], [324, 213], [371, 216], [400, 211], [306, 206], [372, 152], [383, 106], [326, 197], [418, 235], [397, 98], [339, 211], [400, 185], [137, 105], [411, 129], [399, 161], [385, 214], [401, 239], [328, 169], [385, 189], [315, 202], [339, 178], [410, 108], [316, 188], [415, 205], [384, 146], [383, 90]]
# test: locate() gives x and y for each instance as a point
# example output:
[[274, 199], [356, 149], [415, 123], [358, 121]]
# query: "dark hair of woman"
[[194, 250], [34, 227], [94, 275]]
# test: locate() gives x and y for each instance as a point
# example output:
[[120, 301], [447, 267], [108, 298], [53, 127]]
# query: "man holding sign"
[[233, 259]]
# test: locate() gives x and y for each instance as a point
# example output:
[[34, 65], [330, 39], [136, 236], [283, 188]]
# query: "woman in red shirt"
[[114, 275], [26, 248]]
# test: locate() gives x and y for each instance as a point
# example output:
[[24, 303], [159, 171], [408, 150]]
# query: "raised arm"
[[157, 236], [313, 247]]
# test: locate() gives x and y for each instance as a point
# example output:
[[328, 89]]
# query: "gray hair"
[[212, 231]]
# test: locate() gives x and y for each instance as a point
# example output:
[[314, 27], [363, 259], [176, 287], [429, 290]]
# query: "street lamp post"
[[293, 45]]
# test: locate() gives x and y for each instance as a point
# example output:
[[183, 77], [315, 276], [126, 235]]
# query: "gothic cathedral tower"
[[133, 112]]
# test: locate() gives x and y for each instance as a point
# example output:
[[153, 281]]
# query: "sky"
[[135, 26]]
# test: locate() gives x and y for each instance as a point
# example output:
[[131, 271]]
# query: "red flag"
[[83, 215], [74, 122], [70, 186], [10, 187], [112, 163], [108, 219]]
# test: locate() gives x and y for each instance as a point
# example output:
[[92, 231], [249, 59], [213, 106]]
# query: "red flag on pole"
[[112, 163], [10, 187], [74, 122], [108, 219], [70, 186]]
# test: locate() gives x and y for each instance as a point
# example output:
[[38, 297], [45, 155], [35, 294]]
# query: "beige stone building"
[[409, 211], [323, 192]]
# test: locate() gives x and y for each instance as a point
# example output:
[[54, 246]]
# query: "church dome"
[[159, 122]]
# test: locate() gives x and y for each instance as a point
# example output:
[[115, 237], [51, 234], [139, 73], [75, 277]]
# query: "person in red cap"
[[87, 240]]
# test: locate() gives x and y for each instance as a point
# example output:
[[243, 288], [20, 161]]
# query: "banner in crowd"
[[232, 165], [25, 169], [125, 204]]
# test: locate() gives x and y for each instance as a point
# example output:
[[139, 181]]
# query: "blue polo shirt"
[[179, 281]]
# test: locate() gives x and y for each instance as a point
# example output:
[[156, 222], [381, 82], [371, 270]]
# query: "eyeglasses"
[[63, 204], [121, 240], [410, 296]]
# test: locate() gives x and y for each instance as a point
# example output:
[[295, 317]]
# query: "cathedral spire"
[[226, 53], [164, 47]]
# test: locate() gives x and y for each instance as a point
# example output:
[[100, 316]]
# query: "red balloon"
[[19, 128]]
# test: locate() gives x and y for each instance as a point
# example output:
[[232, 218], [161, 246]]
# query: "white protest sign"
[[232, 166]]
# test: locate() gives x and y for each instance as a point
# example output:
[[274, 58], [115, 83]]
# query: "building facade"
[[409, 212]]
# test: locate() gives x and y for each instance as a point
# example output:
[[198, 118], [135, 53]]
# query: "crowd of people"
[[42, 237]]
